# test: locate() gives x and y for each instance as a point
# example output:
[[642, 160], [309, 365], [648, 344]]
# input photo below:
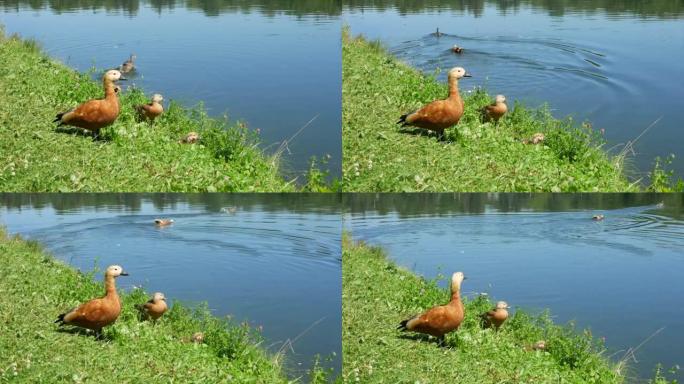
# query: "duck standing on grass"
[[438, 321], [440, 114], [496, 110], [154, 308], [152, 110], [496, 317], [97, 313], [96, 114], [128, 65]]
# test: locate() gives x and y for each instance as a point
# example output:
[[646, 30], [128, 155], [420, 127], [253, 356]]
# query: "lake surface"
[[614, 63], [275, 262], [275, 65], [620, 277]]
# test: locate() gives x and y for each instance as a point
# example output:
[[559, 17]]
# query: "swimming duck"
[[440, 320], [437, 33], [496, 317], [440, 114], [496, 110], [598, 217], [152, 110], [98, 313], [456, 49], [190, 138], [155, 307], [128, 65], [230, 210], [95, 114], [163, 222]]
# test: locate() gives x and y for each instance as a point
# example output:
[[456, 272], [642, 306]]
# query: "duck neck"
[[110, 90], [110, 287], [453, 89], [455, 297]]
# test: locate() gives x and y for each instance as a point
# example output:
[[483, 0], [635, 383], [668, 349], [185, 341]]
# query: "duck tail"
[[58, 118], [403, 326], [402, 120], [60, 319]]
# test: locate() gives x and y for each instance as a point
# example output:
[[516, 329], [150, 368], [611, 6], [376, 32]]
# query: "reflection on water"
[[273, 64], [275, 262], [620, 277], [614, 63]]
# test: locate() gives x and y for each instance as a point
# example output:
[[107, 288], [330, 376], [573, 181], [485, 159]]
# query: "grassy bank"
[[35, 288], [476, 157], [377, 295], [132, 156]]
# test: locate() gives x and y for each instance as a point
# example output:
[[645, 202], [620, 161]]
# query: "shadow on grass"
[[446, 344], [85, 333]]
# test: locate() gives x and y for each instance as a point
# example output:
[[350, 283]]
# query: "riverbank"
[[35, 288], [132, 156], [476, 157], [377, 295]]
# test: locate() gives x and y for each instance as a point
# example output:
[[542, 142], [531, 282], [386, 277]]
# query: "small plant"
[[662, 179]]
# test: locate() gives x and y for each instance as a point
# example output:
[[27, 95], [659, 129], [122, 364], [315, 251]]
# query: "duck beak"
[[467, 75], [122, 78], [124, 274]]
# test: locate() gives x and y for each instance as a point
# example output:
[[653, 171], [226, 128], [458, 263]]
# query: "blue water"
[[274, 263], [620, 277], [263, 63]]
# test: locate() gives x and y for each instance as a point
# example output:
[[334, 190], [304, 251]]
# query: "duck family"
[[440, 114], [102, 312], [443, 319], [93, 115]]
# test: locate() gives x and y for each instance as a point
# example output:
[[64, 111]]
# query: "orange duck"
[[440, 320], [163, 222], [96, 114], [98, 313], [440, 114], [496, 110], [496, 317], [128, 65], [155, 307], [152, 110]]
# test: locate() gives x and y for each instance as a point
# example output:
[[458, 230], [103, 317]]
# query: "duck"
[[190, 138], [163, 222], [598, 217], [128, 65], [437, 33], [496, 110], [440, 320], [197, 338], [496, 317], [97, 313], [94, 115], [230, 210], [152, 110], [154, 308], [537, 346], [537, 138], [440, 114], [456, 49]]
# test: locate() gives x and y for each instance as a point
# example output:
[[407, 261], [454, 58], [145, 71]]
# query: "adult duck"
[[440, 114], [94, 115], [97, 313], [496, 317], [128, 65], [440, 320], [151, 110], [496, 110]]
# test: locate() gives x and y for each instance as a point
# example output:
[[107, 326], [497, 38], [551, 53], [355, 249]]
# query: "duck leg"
[[441, 341]]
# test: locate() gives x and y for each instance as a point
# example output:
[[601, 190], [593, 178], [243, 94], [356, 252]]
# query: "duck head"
[[113, 76], [456, 280], [158, 296], [458, 73], [115, 271], [502, 305], [157, 98], [500, 99]]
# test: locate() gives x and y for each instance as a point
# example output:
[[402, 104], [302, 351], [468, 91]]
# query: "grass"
[[377, 295], [476, 157], [132, 156], [35, 288]]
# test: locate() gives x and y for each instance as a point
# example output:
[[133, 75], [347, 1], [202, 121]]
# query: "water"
[[614, 63], [274, 263], [620, 277], [274, 65]]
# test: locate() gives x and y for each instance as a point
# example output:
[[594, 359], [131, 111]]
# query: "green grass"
[[133, 157], [377, 295], [476, 157], [35, 288]]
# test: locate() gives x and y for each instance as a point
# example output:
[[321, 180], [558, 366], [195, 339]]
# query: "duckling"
[[456, 49], [496, 110], [440, 320], [128, 65], [538, 346], [495, 317], [537, 138], [197, 338], [190, 138], [163, 222], [96, 114], [154, 308], [440, 114], [152, 110], [98, 313], [598, 217]]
